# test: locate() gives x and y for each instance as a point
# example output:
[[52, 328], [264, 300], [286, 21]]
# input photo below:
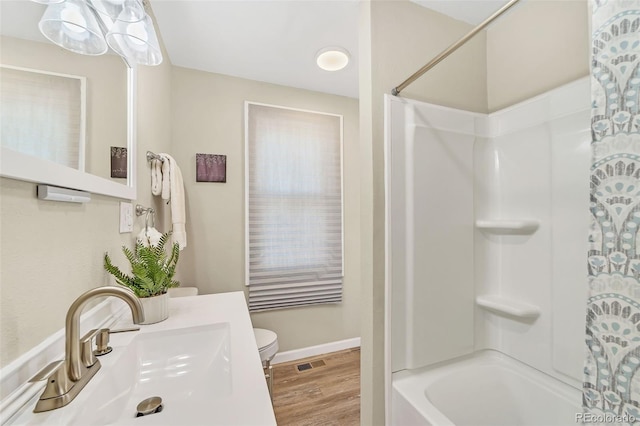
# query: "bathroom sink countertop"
[[202, 361]]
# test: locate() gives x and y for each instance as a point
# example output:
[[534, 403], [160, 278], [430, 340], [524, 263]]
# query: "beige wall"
[[208, 117], [406, 36], [51, 252], [403, 37], [538, 46], [371, 334]]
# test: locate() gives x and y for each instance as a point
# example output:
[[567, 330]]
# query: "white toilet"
[[267, 342]]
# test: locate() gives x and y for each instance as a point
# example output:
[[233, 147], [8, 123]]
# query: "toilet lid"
[[264, 338]]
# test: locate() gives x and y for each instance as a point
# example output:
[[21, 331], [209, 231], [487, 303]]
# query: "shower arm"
[[449, 50]]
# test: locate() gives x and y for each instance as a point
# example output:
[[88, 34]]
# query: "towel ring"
[[150, 213], [140, 210]]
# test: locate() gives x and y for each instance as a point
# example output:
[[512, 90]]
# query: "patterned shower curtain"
[[612, 369]]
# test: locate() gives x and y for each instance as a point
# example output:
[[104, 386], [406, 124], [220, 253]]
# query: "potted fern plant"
[[152, 275]]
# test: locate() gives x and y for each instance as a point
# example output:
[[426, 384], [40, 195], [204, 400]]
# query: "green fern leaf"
[[152, 269]]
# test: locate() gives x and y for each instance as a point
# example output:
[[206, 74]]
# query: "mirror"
[[64, 115]]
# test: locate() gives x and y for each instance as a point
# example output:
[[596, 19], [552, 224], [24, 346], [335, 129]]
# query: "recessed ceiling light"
[[332, 58]]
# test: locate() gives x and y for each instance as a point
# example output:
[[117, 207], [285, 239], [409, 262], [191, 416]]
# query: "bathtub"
[[486, 388]]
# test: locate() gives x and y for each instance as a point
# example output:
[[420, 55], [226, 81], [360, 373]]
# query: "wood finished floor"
[[324, 395]]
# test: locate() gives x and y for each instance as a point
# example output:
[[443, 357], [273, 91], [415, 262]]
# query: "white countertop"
[[247, 403]]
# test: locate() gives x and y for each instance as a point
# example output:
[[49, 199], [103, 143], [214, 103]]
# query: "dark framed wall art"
[[118, 162], [211, 168]]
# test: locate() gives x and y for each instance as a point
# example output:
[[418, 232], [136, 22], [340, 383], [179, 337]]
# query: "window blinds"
[[42, 115], [294, 240]]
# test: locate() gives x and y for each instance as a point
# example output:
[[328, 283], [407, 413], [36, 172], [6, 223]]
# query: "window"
[[293, 184]]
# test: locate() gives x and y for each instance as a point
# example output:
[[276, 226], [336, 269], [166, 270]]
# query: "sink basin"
[[202, 361], [188, 368]]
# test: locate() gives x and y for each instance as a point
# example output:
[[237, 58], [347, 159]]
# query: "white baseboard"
[[315, 350]]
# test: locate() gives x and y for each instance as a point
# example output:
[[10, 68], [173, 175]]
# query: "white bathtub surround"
[[484, 216], [540, 170], [502, 305], [508, 227], [611, 378], [430, 235], [487, 388], [202, 361], [155, 308]]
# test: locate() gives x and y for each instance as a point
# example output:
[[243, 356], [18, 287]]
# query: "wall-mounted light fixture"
[[56, 193], [90, 27], [332, 58]]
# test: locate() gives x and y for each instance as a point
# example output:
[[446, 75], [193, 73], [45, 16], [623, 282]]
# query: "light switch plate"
[[126, 217]]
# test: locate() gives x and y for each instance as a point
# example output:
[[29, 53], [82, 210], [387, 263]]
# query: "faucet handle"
[[46, 371], [124, 330], [86, 348]]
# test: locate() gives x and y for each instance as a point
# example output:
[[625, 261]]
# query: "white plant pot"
[[155, 308]]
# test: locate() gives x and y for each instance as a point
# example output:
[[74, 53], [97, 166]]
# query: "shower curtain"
[[611, 375]]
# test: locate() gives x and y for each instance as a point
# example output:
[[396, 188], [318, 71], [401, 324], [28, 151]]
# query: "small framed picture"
[[211, 168], [118, 162]]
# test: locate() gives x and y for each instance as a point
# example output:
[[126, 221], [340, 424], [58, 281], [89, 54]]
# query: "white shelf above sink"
[[507, 306], [508, 226]]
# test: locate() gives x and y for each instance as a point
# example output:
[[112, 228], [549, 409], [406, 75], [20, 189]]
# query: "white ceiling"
[[272, 41], [276, 41], [266, 40]]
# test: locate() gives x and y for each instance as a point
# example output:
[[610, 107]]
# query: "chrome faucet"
[[80, 364]]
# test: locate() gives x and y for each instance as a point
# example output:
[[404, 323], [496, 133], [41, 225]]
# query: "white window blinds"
[[294, 240], [42, 114]]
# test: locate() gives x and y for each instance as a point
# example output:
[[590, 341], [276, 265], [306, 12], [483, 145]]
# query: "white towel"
[[149, 236], [156, 177], [166, 177], [173, 176]]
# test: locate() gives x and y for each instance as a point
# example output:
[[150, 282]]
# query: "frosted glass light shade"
[[124, 10], [133, 11], [47, 1], [71, 25], [136, 41]]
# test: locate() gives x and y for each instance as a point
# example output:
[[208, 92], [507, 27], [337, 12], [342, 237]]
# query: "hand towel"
[[176, 195], [149, 236], [156, 177], [166, 177]]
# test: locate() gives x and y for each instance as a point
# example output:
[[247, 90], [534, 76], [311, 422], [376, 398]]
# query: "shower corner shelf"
[[509, 226], [506, 306]]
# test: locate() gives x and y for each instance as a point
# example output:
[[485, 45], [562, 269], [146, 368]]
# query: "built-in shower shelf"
[[507, 306], [509, 226]]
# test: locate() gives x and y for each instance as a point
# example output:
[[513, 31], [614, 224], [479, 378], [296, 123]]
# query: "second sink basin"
[[188, 368]]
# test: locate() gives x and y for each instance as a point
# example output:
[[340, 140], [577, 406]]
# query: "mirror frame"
[[16, 165]]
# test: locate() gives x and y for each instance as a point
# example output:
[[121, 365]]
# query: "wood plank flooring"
[[326, 394]]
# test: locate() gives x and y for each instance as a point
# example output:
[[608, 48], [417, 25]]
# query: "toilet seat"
[[267, 342]]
